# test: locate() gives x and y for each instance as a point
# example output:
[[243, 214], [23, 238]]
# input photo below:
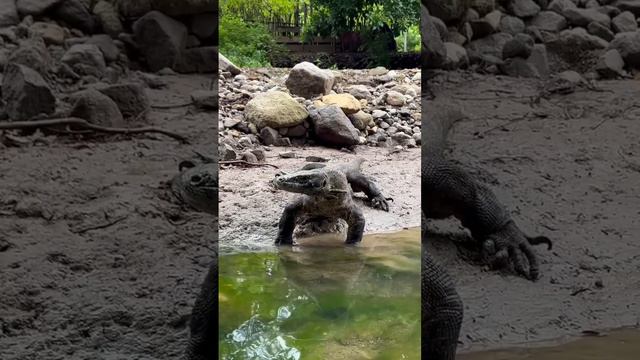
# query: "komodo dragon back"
[[440, 120]]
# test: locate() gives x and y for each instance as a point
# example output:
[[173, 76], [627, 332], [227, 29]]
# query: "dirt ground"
[[568, 168], [97, 262], [250, 208]]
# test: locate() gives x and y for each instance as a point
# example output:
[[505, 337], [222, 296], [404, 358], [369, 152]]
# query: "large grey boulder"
[[625, 22], [109, 18], [96, 108], [33, 53], [582, 17], [161, 40], [333, 127], [34, 7], [611, 65], [199, 60], [226, 65], [446, 10], [629, 5], [25, 93], [76, 14], [85, 59], [549, 21], [130, 8], [308, 80], [628, 45], [131, 98], [491, 45], [434, 50], [524, 8], [275, 109]]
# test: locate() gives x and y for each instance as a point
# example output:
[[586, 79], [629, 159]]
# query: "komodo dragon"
[[448, 190], [197, 184], [327, 192]]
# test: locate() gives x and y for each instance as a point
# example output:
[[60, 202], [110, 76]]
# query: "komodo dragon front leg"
[[361, 183]]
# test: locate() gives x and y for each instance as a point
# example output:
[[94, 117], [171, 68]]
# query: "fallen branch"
[[243, 162], [86, 125], [503, 125], [101, 226]]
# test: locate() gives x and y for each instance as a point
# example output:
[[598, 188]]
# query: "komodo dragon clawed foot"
[[511, 245]]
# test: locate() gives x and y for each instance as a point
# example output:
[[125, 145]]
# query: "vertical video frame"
[[530, 161], [319, 233]]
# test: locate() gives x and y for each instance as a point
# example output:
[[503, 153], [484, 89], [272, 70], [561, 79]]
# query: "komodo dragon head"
[[197, 185], [313, 182]]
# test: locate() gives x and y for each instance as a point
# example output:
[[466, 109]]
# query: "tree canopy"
[[333, 17]]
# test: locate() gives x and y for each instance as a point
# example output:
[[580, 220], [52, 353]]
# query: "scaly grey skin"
[[449, 190], [197, 185], [203, 339], [327, 191]]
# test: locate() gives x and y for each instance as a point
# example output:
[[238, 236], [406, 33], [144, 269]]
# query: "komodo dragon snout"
[[310, 182]]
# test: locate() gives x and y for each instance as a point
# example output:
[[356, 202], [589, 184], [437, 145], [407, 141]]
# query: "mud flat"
[[97, 261]]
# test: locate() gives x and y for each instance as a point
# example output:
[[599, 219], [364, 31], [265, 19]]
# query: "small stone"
[[85, 59], [611, 65], [269, 136], [347, 102], [131, 98], [249, 157], [625, 22], [52, 34], [231, 122], [259, 154], [96, 108], [395, 98], [205, 99], [600, 31], [288, 155]]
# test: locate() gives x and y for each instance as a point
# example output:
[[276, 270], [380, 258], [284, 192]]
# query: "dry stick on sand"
[[86, 125]]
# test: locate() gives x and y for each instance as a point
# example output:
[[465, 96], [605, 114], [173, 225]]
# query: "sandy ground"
[[570, 170], [250, 208], [123, 291]]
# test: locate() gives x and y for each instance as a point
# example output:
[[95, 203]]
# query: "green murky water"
[[617, 345], [322, 300]]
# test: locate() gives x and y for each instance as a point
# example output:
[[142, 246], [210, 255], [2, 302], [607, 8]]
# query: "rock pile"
[[78, 57], [308, 105], [523, 37]]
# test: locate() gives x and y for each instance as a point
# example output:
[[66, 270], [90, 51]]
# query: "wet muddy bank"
[[250, 208], [566, 166]]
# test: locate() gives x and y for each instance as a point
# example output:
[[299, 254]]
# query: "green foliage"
[[260, 8], [245, 44], [413, 39], [334, 17]]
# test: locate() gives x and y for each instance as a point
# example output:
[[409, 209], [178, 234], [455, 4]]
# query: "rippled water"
[[322, 300]]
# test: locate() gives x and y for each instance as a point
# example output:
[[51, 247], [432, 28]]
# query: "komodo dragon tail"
[[439, 120]]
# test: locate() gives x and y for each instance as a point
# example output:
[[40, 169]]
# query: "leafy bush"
[[246, 44], [413, 39]]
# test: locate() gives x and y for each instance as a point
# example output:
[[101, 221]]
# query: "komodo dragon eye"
[[196, 179]]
